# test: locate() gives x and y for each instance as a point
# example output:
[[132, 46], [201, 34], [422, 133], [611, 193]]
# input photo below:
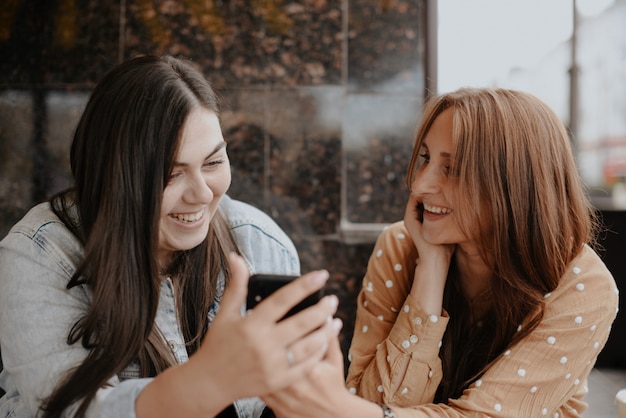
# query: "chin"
[[189, 242]]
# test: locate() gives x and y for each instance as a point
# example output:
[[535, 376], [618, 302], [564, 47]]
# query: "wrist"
[[387, 412], [428, 288]]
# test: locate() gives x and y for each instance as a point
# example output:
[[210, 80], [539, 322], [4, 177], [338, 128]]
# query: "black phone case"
[[261, 286]]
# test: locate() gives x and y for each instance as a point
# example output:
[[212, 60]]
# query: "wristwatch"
[[387, 412]]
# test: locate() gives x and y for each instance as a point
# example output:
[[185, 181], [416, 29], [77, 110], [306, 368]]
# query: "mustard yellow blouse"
[[394, 356]]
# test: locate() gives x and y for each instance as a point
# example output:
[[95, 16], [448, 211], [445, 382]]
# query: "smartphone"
[[261, 286]]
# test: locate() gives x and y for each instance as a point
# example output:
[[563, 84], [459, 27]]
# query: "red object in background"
[[614, 169]]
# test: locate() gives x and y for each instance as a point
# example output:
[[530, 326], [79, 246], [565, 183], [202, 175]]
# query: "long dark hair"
[[121, 158], [516, 178]]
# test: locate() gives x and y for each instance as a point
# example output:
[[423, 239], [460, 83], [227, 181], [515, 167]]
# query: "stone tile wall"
[[320, 101]]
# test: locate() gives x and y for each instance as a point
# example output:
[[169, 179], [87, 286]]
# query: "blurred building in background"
[[600, 141]]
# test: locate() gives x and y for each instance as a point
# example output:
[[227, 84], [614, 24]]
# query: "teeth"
[[436, 209], [188, 217]]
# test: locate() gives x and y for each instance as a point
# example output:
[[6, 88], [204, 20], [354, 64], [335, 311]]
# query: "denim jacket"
[[37, 259]]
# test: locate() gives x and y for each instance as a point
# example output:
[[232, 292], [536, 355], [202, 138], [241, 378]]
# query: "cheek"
[[169, 200], [222, 182]]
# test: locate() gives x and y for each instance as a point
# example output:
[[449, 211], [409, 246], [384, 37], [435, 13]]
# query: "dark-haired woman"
[[488, 299], [112, 293]]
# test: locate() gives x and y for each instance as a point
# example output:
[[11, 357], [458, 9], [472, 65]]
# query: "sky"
[[480, 41]]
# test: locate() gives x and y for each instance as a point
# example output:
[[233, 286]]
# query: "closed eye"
[[214, 163], [175, 175]]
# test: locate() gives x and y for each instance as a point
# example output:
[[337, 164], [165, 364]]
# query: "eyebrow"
[[442, 154], [215, 150]]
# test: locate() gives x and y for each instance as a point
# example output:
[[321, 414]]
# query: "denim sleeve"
[[264, 245], [118, 401], [37, 313], [264, 253]]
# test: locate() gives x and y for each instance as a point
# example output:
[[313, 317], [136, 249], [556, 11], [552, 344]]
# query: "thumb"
[[236, 290]]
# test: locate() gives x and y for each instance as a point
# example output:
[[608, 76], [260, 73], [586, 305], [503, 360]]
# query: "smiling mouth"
[[188, 217], [437, 210]]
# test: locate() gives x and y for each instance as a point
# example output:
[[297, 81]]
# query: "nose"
[[427, 181], [198, 190]]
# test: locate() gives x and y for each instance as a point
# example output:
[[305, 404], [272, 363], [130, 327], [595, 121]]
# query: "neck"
[[165, 260], [474, 274]]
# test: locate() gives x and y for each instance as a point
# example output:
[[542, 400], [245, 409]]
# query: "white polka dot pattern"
[[535, 370]]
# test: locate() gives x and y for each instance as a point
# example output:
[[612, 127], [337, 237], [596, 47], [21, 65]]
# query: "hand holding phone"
[[261, 286]]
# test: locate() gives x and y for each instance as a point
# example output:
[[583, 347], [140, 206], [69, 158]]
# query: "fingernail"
[[320, 277], [332, 301], [337, 325]]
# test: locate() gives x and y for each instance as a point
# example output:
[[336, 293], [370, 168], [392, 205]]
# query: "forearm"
[[356, 406], [180, 392], [400, 363], [429, 281]]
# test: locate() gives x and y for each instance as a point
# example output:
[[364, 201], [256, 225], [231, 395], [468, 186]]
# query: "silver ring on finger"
[[290, 358]]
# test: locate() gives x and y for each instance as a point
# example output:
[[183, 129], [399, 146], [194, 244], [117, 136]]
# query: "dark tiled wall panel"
[[244, 42], [57, 42], [320, 100]]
